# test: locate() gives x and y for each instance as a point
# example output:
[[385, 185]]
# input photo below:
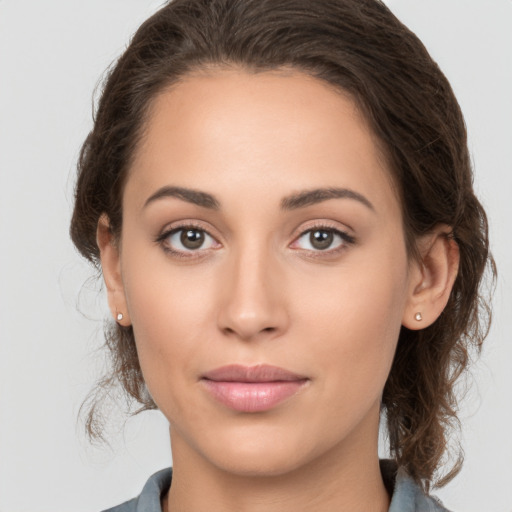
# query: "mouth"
[[252, 388]]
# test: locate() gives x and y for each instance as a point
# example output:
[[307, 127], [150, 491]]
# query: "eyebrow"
[[291, 202], [186, 194], [318, 195]]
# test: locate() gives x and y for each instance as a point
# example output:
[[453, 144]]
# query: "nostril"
[[231, 331]]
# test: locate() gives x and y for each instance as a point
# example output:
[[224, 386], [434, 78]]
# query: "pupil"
[[321, 239], [192, 238]]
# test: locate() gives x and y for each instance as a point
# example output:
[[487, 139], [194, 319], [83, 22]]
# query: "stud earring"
[[418, 317], [119, 316]]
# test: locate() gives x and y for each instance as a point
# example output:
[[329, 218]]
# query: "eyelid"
[[182, 225], [187, 223], [328, 225], [325, 225]]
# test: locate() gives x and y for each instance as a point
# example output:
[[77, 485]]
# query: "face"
[[263, 267]]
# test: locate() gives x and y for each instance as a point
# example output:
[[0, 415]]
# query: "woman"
[[279, 194]]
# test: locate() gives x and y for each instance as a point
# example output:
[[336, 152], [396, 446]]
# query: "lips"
[[252, 388]]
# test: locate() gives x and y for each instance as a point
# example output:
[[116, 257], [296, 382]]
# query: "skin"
[[258, 291]]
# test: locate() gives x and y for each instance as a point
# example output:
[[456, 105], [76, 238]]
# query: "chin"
[[263, 464], [259, 453]]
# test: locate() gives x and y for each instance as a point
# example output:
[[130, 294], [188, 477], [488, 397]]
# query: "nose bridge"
[[254, 292]]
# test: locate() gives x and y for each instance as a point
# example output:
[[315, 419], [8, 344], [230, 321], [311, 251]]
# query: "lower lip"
[[252, 396]]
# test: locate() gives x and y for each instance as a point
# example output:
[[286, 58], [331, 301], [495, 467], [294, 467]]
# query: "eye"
[[187, 239], [323, 239]]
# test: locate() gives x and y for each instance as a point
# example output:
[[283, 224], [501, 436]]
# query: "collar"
[[407, 495]]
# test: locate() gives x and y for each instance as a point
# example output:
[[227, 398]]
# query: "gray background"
[[52, 54]]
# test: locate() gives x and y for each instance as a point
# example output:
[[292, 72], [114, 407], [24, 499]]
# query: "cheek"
[[357, 318], [168, 315]]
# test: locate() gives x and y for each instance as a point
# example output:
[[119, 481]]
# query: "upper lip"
[[256, 373]]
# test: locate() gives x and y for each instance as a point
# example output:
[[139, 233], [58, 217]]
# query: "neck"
[[343, 480]]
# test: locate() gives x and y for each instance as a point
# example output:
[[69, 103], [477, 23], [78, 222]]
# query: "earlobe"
[[432, 278], [111, 268]]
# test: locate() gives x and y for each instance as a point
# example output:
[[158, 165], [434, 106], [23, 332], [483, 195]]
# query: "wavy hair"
[[358, 47]]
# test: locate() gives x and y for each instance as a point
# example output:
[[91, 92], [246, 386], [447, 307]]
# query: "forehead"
[[270, 128]]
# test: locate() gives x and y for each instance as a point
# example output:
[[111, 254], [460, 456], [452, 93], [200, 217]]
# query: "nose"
[[254, 304]]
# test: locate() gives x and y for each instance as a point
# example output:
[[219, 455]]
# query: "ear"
[[111, 267], [431, 278]]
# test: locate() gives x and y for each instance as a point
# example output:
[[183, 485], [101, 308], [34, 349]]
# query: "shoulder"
[[149, 499], [406, 494]]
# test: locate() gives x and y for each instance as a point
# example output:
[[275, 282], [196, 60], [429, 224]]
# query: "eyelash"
[[347, 240], [184, 227]]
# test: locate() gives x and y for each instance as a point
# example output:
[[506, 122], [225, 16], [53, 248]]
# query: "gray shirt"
[[407, 496]]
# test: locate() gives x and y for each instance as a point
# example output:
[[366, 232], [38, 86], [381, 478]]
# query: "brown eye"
[[324, 239], [321, 239], [187, 239], [192, 238]]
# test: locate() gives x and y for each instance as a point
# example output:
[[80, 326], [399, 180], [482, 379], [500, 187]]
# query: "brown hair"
[[357, 46]]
